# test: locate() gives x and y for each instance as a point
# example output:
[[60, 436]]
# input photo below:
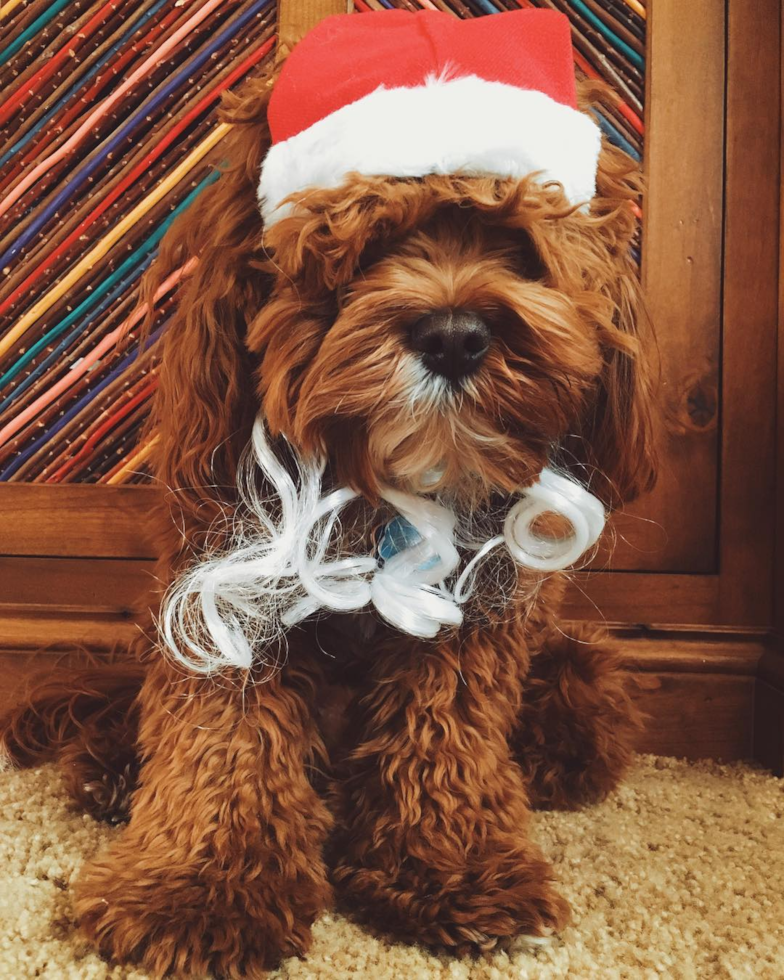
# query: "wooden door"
[[706, 557], [690, 583]]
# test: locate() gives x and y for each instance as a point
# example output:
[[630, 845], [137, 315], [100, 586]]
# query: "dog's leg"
[[100, 765], [220, 868], [85, 717], [579, 723], [432, 809]]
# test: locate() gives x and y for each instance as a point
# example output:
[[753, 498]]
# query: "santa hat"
[[408, 94]]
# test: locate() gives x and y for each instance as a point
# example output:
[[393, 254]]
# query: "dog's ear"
[[619, 431], [614, 448], [205, 403]]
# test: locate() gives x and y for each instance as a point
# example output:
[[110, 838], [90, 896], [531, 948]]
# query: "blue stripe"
[[101, 289], [22, 458], [636, 59], [24, 140], [82, 328], [49, 14], [615, 136], [115, 143], [488, 7]]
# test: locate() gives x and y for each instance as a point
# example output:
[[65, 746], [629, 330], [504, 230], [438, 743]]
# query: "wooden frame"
[[769, 692], [77, 562]]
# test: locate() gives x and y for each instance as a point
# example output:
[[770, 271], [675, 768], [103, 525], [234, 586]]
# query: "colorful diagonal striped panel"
[[109, 129]]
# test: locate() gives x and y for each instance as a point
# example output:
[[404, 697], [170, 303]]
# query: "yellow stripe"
[[8, 7], [638, 8], [142, 452], [98, 252]]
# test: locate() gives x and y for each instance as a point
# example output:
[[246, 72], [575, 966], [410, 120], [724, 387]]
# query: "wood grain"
[[778, 575], [296, 17], [76, 521], [694, 651], [769, 695], [769, 726], [747, 525], [698, 716], [76, 584], [113, 522], [115, 586], [643, 598], [682, 251], [48, 630]]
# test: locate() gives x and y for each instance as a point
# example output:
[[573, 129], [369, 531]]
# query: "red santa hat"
[[408, 94]]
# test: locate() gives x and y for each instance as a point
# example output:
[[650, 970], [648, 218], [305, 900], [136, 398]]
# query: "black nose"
[[452, 343]]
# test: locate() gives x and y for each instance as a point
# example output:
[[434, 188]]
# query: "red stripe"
[[624, 109], [60, 123], [101, 431], [51, 66], [140, 168]]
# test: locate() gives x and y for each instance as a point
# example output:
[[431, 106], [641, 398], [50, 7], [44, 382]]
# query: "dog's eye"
[[529, 262]]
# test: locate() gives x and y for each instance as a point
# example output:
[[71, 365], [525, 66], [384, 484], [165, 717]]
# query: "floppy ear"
[[614, 448], [616, 441], [205, 401]]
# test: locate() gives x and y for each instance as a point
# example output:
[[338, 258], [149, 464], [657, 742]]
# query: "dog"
[[446, 334]]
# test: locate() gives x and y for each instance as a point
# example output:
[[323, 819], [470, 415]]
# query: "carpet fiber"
[[679, 874]]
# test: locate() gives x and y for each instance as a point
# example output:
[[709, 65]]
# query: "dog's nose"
[[452, 343]]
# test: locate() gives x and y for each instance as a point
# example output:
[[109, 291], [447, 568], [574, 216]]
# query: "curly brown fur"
[[432, 810], [221, 866], [579, 723], [84, 715]]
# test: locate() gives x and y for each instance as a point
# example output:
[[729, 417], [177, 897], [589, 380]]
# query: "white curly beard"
[[289, 557]]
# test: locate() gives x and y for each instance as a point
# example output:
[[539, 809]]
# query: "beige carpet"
[[680, 874]]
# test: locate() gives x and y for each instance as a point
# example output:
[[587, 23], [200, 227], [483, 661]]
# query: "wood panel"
[[51, 589], [63, 602], [747, 527], [115, 587], [769, 709], [694, 651], [76, 521], [651, 599], [769, 694], [698, 716], [47, 629], [682, 277], [113, 522], [778, 573], [296, 17], [76, 584], [769, 726]]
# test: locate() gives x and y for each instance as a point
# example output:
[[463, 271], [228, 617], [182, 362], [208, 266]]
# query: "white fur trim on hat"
[[447, 126]]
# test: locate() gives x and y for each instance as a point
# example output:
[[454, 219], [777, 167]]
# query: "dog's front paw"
[[481, 905], [186, 921]]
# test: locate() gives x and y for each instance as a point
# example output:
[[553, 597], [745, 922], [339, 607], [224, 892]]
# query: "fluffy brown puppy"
[[446, 744]]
